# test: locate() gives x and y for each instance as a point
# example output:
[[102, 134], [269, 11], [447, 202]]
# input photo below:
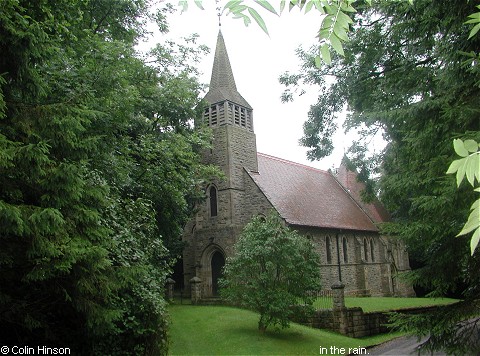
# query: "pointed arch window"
[[365, 249], [213, 201], [328, 247], [345, 250], [372, 250]]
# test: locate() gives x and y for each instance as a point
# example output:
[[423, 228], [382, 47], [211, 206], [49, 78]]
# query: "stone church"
[[324, 206]]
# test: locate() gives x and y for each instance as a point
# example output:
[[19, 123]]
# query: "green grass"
[[370, 304], [221, 330]]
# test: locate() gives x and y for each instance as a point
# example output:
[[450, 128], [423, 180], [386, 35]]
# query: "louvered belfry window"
[[227, 113]]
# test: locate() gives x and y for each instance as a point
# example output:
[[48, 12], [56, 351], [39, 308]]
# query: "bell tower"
[[230, 117], [219, 220]]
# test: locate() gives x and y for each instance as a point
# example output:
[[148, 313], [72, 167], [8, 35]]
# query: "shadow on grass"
[[273, 333]]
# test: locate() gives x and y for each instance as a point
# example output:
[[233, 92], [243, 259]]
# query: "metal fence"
[[323, 299]]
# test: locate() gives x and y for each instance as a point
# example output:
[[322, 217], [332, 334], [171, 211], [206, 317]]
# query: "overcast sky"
[[257, 61]]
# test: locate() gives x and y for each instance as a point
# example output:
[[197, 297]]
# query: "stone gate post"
[[169, 290], [195, 283], [338, 295], [339, 310]]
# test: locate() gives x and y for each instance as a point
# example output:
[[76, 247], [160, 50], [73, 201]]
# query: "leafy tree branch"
[[468, 166]]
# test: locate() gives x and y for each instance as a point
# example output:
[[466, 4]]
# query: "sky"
[[257, 61]]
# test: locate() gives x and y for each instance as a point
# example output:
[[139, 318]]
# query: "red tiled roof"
[[375, 210], [308, 196]]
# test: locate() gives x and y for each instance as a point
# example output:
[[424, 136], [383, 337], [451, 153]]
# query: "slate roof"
[[222, 83], [306, 196]]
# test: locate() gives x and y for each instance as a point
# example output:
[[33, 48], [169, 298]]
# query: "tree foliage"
[[98, 173], [271, 271], [468, 166], [410, 74], [334, 25], [402, 76], [452, 329]]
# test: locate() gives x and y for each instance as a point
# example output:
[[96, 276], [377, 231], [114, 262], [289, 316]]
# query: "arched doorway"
[[217, 264]]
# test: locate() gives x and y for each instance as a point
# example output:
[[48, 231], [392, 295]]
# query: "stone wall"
[[363, 275], [234, 148], [358, 323], [243, 154], [352, 322], [206, 234]]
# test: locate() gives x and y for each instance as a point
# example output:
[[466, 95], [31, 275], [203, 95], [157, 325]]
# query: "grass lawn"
[[221, 330], [369, 304]]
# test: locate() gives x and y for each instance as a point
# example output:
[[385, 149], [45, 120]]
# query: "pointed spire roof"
[[222, 83]]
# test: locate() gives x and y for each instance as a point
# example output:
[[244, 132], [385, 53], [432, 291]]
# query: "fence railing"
[[323, 299]]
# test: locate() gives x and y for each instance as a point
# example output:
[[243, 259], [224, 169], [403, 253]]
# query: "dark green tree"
[[409, 74], [98, 171], [271, 272]]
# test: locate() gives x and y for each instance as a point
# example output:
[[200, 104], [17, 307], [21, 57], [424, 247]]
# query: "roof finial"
[[219, 14]]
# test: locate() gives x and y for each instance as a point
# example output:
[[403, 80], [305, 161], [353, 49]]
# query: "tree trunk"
[[262, 326]]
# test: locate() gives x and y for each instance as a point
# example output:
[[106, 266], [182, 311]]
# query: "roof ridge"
[[293, 163]]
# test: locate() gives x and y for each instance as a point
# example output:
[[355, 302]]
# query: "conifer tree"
[[98, 165]]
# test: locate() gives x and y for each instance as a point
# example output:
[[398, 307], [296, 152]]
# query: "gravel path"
[[402, 346]]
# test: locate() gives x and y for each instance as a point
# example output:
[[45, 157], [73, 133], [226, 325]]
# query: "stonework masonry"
[[346, 237]]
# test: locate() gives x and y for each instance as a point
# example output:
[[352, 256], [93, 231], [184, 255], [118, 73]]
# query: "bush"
[[272, 270]]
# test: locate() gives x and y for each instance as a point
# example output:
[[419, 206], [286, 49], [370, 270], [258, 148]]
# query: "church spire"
[[222, 82], [227, 106]]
